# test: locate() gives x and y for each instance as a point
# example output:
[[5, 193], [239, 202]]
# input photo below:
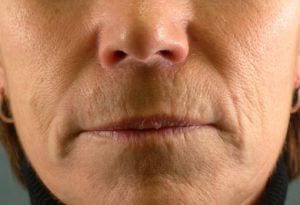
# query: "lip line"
[[150, 123], [148, 129]]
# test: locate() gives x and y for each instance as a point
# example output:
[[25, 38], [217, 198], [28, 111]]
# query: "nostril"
[[113, 57], [119, 55], [166, 54]]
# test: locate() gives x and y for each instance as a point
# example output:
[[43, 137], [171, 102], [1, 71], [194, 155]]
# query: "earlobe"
[[1, 70], [296, 92], [2, 75], [297, 77]]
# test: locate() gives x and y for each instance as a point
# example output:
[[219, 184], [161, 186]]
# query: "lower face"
[[239, 73]]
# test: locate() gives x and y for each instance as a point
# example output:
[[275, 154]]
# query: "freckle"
[[42, 79], [235, 98]]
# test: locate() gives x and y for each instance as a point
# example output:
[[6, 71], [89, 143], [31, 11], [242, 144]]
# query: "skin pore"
[[227, 61]]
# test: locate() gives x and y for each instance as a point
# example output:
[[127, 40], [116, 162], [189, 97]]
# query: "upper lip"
[[150, 122]]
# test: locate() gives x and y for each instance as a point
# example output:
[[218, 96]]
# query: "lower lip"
[[134, 135]]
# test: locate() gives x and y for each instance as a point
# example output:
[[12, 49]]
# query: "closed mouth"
[[151, 123]]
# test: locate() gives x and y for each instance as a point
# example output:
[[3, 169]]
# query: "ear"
[[3, 86], [295, 108], [297, 76]]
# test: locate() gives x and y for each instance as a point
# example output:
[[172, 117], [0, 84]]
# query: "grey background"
[[12, 194]]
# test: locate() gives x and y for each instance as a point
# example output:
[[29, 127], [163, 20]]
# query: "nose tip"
[[165, 45]]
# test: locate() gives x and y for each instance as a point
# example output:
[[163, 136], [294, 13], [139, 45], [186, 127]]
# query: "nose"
[[152, 37]]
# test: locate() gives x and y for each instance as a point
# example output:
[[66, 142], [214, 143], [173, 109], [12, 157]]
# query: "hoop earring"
[[296, 101], [2, 116]]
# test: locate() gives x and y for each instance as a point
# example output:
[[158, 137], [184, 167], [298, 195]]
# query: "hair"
[[290, 150]]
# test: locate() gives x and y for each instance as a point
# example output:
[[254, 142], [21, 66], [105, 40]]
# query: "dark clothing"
[[274, 194]]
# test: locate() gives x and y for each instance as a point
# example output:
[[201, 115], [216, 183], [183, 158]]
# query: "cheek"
[[35, 81], [263, 53], [254, 52]]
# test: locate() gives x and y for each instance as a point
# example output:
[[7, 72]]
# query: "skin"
[[232, 61]]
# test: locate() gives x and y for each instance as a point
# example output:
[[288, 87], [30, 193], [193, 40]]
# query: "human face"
[[232, 63]]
